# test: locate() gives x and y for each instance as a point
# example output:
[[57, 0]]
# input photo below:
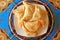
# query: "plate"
[[18, 33]]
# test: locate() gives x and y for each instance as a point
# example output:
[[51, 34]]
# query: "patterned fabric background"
[[4, 17]]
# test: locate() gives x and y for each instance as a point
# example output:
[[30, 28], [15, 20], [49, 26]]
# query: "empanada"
[[29, 10]]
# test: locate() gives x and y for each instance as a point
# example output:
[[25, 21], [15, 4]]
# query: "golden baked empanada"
[[33, 26], [19, 12], [36, 15], [29, 10]]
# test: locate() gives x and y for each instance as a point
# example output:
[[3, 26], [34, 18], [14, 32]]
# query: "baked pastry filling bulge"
[[32, 19]]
